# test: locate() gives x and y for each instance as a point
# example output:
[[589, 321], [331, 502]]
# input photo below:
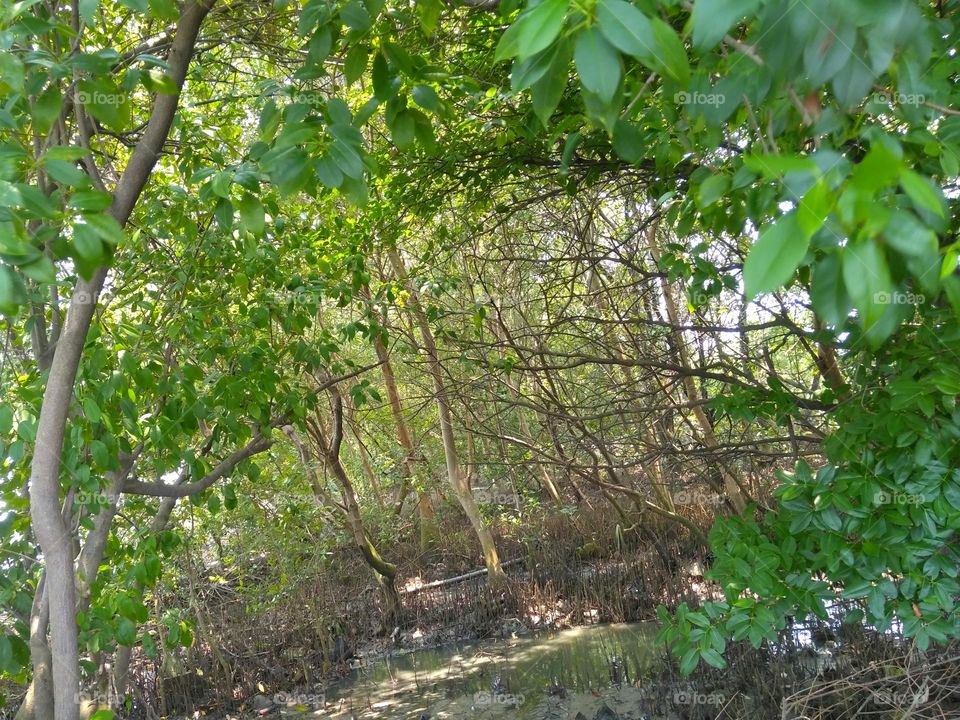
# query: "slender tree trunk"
[[38, 702], [599, 292], [52, 534], [368, 470], [386, 573], [121, 663], [429, 531], [458, 483], [730, 484]]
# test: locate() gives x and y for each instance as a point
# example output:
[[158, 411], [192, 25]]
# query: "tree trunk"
[[386, 573], [52, 534], [368, 470], [38, 702], [458, 483], [731, 487], [121, 662], [429, 531]]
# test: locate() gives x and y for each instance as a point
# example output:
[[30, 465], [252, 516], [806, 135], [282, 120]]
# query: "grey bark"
[[53, 535]]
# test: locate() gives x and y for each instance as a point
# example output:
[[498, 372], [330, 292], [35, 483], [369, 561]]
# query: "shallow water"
[[547, 675]]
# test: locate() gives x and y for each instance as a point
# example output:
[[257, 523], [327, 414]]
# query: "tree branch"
[[257, 445]]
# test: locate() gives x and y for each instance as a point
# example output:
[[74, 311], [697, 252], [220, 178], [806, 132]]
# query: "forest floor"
[[308, 653]]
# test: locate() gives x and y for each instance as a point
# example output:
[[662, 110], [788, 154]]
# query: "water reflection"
[[537, 676]]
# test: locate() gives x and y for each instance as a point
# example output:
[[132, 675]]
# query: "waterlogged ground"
[[587, 672]]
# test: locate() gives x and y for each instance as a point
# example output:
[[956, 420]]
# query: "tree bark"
[[731, 487], [454, 474], [385, 572], [429, 532], [51, 532]]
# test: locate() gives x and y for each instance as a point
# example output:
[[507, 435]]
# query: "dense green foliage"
[[642, 246]]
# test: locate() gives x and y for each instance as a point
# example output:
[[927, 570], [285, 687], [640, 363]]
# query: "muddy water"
[[549, 675]]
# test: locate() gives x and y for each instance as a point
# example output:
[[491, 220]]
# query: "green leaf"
[[269, 121], [106, 102], [66, 173], [91, 410], [533, 31], [403, 129], [126, 632], [35, 202], [162, 83], [628, 142], [712, 19], [103, 714], [13, 294], [775, 256], [525, 73], [87, 243], [6, 419], [827, 291], [815, 206], [852, 83], [355, 64], [384, 87], [714, 658], [11, 73], [712, 189], [90, 200], [6, 653], [220, 185], [163, 9], [46, 109], [9, 194], [288, 168], [548, 90], [105, 226], [877, 170], [597, 63], [921, 192], [774, 166], [88, 10], [627, 29], [906, 234], [223, 212], [867, 278], [251, 215], [689, 661], [328, 172], [429, 12], [427, 98], [671, 56], [347, 159], [355, 16]]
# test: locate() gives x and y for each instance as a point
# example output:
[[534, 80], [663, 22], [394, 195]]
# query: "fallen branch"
[[458, 578]]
